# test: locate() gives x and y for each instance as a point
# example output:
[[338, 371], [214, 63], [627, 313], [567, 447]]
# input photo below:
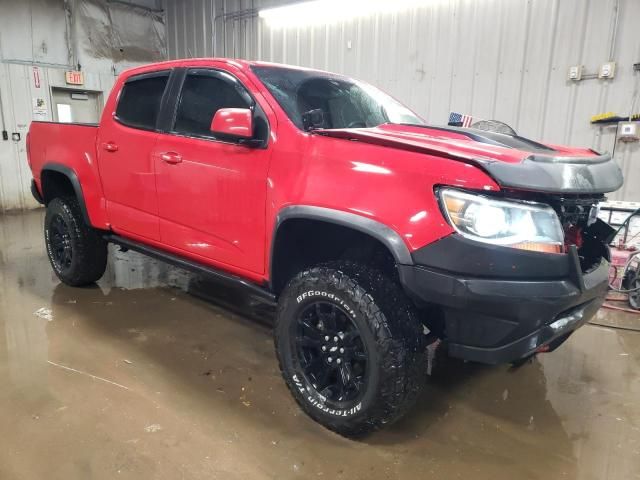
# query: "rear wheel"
[[78, 254], [350, 347]]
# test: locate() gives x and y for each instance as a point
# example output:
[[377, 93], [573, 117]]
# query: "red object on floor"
[[620, 309], [619, 258]]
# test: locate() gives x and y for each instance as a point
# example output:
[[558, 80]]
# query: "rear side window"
[[140, 100], [203, 94]]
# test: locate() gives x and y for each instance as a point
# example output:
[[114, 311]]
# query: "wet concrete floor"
[[138, 378]]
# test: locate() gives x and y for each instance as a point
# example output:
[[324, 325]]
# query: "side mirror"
[[233, 122]]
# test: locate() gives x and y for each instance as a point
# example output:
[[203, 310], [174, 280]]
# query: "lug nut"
[[324, 348], [341, 350], [335, 339], [326, 338], [329, 359], [339, 361]]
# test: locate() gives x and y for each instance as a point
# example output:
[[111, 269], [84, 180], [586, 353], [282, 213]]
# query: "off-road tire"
[[389, 328], [88, 249]]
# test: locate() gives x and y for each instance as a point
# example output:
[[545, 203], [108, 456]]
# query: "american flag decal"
[[460, 120]]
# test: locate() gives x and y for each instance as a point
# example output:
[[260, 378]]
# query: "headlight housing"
[[516, 224]]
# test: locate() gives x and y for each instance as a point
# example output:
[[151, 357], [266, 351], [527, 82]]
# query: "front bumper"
[[505, 317]]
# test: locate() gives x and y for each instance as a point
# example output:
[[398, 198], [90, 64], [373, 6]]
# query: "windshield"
[[345, 103]]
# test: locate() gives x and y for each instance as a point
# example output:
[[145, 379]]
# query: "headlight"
[[523, 225]]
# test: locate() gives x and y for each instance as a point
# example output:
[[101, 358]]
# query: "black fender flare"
[[75, 183], [381, 232]]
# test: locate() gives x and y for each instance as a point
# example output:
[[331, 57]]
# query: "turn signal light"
[[539, 247]]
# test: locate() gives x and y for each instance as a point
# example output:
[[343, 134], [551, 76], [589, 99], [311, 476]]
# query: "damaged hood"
[[512, 161]]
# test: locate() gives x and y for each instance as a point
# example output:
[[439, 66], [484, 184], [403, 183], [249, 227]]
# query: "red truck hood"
[[512, 161]]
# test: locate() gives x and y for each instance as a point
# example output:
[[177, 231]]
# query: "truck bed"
[[69, 146], [61, 142]]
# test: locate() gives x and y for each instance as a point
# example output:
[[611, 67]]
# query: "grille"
[[574, 214], [574, 211]]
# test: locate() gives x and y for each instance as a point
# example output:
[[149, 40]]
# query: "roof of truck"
[[231, 62]]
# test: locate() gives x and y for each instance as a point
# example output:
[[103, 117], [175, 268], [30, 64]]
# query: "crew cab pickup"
[[374, 232]]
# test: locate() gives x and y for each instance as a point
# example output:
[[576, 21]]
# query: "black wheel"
[[78, 254], [350, 347], [633, 285]]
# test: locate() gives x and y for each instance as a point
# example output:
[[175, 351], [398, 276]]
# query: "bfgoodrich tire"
[[350, 347], [78, 254]]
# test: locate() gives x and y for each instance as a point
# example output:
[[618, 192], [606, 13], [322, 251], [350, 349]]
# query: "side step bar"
[[217, 275]]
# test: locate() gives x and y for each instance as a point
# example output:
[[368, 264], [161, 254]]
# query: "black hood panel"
[[545, 170], [555, 174], [498, 139]]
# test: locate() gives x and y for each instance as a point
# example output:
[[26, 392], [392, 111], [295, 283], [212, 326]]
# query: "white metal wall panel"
[[495, 59], [190, 28], [18, 89], [33, 30], [103, 38]]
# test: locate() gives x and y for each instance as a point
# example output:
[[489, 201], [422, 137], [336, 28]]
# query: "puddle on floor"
[[152, 374]]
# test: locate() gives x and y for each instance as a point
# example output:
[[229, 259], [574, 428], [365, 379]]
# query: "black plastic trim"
[[528, 345], [377, 230], [75, 183], [497, 320], [169, 100], [557, 174], [143, 76], [36, 193], [219, 275], [457, 254], [77, 124]]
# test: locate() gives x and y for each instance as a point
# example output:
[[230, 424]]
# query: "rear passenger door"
[[125, 145], [212, 191]]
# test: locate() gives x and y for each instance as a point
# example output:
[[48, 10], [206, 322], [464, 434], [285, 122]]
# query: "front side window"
[[345, 103], [140, 100], [203, 94]]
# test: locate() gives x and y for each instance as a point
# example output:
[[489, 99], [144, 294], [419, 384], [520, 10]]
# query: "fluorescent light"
[[332, 11]]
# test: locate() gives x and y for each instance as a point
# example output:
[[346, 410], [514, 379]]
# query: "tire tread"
[[397, 331], [89, 248]]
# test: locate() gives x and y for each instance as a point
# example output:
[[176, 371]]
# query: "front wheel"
[[350, 347], [78, 254]]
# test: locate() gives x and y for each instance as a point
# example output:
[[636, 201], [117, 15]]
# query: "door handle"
[[110, 147], [171, 157]]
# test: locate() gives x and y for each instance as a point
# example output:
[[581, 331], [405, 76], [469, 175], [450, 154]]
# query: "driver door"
[[211, 191]]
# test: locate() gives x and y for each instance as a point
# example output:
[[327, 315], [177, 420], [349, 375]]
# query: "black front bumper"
[[525, 301]]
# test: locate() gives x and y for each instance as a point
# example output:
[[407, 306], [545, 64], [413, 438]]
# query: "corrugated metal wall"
[[495, 59], [190, 28], [55, 35], [18, 81]]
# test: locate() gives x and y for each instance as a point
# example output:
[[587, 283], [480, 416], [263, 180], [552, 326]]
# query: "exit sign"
[[74, 78]]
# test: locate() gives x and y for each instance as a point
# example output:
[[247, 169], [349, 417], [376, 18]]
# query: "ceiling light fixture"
[[332, 11]]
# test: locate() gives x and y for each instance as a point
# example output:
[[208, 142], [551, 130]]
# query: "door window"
[[140, 100], [203, 94]]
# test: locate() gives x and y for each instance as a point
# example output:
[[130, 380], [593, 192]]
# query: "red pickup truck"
[[374, 232]]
